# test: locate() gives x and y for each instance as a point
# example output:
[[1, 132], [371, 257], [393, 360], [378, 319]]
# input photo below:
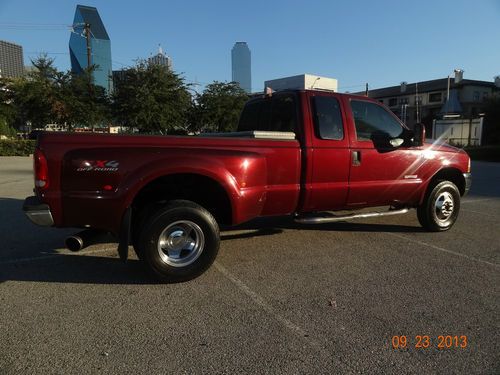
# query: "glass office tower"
[[99, 51], [241, 61]]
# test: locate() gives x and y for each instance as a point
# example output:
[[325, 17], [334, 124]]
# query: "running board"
[[333, 219]]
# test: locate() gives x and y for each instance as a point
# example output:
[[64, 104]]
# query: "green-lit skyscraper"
[[89, 42]]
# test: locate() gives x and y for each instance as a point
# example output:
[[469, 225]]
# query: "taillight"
[[41, 170]]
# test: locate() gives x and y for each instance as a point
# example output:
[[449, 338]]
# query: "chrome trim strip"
[[333, 219]]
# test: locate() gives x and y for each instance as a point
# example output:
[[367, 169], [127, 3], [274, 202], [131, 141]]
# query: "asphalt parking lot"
[[283, 299]]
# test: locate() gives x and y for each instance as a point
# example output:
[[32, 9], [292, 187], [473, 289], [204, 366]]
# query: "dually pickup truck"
[[305, 153]]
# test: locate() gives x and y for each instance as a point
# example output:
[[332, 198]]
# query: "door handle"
[[356, 158]]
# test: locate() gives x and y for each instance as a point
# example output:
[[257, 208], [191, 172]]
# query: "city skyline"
[[354, 42]]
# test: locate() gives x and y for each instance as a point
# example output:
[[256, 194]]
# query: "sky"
[[377, 42]]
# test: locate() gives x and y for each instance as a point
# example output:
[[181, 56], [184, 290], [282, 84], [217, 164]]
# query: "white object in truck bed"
[[256, 134]]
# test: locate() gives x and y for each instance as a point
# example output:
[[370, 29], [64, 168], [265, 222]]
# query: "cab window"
[[327, 117], [250, 115], [372, 120], [277, 113]]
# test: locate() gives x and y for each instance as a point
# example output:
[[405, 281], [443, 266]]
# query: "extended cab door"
[[328, 157], [384, 169]]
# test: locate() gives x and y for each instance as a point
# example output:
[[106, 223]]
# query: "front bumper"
[[468, 182], [38, 212]]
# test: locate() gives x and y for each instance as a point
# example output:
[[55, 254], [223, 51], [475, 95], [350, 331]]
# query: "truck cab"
[[355, 152]]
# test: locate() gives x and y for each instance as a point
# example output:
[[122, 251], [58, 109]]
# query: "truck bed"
[[98, 175]]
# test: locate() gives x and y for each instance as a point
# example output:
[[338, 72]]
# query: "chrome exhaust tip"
[[81, 240], [74, 242]]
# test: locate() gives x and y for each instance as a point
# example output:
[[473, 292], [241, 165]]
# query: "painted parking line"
[[442, 249], [45, 257], [298, 331], [259, 301]]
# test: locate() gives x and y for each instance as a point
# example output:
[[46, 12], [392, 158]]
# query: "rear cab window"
[[277, 113]]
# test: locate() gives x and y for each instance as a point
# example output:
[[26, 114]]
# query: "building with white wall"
[[438, 99]]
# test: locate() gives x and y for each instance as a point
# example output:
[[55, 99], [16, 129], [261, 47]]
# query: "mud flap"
[[124, 238]]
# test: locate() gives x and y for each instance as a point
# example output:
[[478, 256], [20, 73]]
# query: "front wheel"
[[179, 241], [440, 208]]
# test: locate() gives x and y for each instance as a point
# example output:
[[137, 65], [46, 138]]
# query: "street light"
[[316, 80]]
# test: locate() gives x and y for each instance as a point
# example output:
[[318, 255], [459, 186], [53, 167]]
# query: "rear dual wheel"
[[178, 241]]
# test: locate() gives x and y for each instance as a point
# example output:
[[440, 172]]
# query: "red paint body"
[[260, 177]]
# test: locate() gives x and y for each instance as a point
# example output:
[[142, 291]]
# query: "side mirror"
[[419, 138], [381, 140]]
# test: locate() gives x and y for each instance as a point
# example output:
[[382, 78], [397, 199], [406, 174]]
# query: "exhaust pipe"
[[81, 240]]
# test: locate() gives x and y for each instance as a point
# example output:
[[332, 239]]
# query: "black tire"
[[138, 224], [179, 241], [440, 208]]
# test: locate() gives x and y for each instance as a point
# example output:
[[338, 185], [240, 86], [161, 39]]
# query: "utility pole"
[[448, 95], [470, 128], [89, 60], [87, 38], [417, 100]]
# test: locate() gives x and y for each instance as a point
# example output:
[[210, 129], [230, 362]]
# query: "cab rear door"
[[327, 153]]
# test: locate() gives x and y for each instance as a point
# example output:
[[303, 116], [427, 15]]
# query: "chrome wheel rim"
[[181, 243], [444, 206]]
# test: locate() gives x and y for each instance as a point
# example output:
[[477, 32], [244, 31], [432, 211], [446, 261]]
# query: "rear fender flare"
[[212, 169]]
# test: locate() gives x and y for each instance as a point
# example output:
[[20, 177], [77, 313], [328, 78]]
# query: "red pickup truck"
[[298, 152]]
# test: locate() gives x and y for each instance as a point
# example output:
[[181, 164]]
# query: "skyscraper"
[[241, 62], [11, 60], [161, 59], [89, 44]]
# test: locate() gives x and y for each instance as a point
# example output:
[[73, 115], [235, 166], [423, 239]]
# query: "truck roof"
[[262, 95]]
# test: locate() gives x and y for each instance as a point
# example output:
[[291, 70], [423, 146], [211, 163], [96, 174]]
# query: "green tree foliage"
[[33, 95], [47, 95], [152, 99], [80, 102], [491, 135], [5, 129], [7, 110], [148, 98], [16, 147], [218, 108]]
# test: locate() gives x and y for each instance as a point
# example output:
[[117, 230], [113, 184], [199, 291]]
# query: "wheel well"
[[453, 175], [197, 188]]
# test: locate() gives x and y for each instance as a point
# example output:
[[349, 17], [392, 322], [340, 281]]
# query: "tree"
[[8, 113], [47, 95], [81, 103], [5, 129], [33, 96], [151, 98], [218, 108]]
